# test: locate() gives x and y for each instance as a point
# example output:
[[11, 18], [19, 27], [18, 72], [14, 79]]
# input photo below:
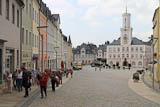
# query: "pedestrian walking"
[[59, 74], [26, 81], [9, 81], [53, 81], [19, 80], [71, 72], [67, 73], [14, 77], [57, 80], [95, 68], [100, 68], [38, 78], [43, 84]]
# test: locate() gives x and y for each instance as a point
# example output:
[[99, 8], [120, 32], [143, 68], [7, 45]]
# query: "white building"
[[85, 53], [127, 49]]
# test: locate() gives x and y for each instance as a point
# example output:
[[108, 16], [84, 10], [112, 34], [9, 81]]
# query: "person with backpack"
[[57, 80], [19, 80], [71, 72], [26, 81], [43, 84], [67, 72], [53, 82]]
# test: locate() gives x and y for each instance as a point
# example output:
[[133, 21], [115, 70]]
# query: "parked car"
[[140, 71], [75, 67], [92, 65]]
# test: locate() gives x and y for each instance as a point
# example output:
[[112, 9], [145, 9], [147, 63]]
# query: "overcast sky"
[[96, 21]]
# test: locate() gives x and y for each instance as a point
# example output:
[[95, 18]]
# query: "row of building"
[[156, 41], [123, 51], [30, 36]]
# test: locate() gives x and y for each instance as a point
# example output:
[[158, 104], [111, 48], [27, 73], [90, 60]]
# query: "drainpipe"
[[21, 35]]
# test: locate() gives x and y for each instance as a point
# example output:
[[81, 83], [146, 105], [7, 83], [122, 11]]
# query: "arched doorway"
[[140, 64], [117, 63], [125, 62]]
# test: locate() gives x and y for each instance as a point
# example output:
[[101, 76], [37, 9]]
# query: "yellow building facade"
[[35, 35], [156, 42]]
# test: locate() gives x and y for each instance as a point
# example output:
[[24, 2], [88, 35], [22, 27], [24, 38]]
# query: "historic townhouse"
[[35, 35], [102, 51], [127, 49], [27, 34], [10, 21], [85, 53], [52, 39], [58, 42]]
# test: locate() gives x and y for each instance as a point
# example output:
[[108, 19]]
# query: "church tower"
[[126, 30]]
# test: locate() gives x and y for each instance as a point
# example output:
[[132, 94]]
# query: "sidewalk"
[[16, 98], [11, 99], [147, 79], [143, 90]]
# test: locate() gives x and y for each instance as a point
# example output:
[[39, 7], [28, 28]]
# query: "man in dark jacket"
[[26, 81], [43, 84]]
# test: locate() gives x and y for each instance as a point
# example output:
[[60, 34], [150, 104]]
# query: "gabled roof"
[[89, 49]]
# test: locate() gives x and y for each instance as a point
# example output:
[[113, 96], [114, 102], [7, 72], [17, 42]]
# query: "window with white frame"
[[17, 18], [0, 7], [22, 35], [13, 13], [139, 63], [118, 49], [123, 56], [136, 49], [118, 55], [127, 49], [132, 49], [123, 49], [26, 37], [141, 49], [26, 5], [7, 9]]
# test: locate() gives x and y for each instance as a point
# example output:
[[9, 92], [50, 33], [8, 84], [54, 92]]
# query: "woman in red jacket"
[[43, 84]]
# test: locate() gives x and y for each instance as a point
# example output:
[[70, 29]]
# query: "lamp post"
[[40, 27], [153, 62]]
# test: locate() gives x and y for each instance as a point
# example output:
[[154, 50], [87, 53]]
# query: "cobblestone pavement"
[[106, 88]]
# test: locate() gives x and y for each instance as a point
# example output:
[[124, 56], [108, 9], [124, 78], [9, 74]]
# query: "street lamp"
[[40, 27], [153, 62]]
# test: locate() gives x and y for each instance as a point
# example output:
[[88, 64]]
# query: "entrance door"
[[0, 66], [9, 65]]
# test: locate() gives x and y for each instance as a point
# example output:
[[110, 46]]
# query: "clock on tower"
[[125, 39]]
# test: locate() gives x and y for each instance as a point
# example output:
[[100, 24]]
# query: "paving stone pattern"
[[89, 88]]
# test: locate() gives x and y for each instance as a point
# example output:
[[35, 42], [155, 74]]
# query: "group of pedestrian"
[[99, 68], [23, 78], [55, 78], [69, 71]]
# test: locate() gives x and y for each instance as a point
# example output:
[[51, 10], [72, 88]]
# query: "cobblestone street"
[[90, 88]]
